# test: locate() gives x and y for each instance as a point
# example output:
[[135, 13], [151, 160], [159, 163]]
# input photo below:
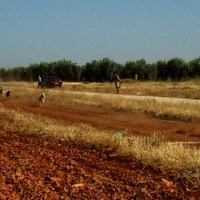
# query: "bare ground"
[[38, 168]]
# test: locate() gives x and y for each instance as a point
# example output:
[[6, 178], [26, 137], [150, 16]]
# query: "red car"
[[51, 81]]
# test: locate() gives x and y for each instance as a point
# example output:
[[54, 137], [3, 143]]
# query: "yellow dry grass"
[[166, 110], [185, 89], [150, 150]]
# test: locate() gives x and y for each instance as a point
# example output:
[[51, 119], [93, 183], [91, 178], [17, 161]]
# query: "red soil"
[[107, 118], [33, 167]]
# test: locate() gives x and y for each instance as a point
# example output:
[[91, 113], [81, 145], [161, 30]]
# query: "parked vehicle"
[[51, 81]]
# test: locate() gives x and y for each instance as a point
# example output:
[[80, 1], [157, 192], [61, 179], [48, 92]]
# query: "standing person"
[[136, 77], [39, 81], [117, 81]]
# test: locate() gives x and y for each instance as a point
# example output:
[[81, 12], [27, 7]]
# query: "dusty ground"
[[107, 118], [36, 168]]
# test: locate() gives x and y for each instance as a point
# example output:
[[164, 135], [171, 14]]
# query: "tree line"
[[175, 69]]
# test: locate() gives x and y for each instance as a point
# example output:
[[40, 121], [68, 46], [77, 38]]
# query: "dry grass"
[[150, 150], [187, 89], [164, 110]]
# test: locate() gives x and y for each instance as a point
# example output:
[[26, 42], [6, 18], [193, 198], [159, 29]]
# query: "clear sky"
[[32, 31]]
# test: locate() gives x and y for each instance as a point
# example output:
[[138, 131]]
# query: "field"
[[79, 146]]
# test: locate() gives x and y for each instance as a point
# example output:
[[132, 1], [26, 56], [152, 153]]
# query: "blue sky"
[[33, 31]]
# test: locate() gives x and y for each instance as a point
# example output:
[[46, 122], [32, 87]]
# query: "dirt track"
[[100, 117], [33, 167]]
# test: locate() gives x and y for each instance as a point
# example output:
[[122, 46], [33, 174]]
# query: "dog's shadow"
[[34, 105]]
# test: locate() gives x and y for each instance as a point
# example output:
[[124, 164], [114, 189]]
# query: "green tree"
[[162, 70], [194, 68], [175, 67]]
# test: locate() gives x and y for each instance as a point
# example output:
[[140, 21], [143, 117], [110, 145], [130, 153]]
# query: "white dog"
[[1, 92], [42, 98]]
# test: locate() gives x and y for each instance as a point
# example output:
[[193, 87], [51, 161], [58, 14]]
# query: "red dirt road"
[[106, 118], [35, 167]]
